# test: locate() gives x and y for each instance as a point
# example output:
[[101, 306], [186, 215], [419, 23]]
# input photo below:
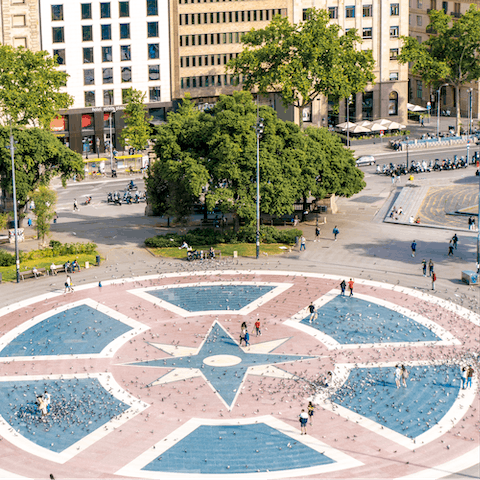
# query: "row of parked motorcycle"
[[130, 195], [423, 166]]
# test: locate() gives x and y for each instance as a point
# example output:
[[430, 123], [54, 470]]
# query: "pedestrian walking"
[[311, 411], [343, 286], [68, 285], [29, 223], [350, 286], [313, 313], [424, 267], [303, 417], [75, 205], [434, 279], [258, 332], [471, 223], [463, 376], [413, 246], [404, 376], [317, 233], [302, 243], [450, 248], [431, 268], [455, 241], [470, 372], [398, 375], [335, 232]]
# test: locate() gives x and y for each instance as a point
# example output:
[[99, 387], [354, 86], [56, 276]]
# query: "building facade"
[[107, 47], [20, 24], [421, 94]]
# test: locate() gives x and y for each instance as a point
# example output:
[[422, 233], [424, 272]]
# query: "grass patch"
[[243, 249], [9, 274]]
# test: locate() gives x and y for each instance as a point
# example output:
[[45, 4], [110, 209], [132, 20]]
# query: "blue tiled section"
[[236, 449], [225, 380], [430, 393], [212, 297], [350, 320], [78, 330], [78, 407]]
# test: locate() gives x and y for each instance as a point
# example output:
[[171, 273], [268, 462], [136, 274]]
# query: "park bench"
[[58, 268], [30, 273], [203, 255]]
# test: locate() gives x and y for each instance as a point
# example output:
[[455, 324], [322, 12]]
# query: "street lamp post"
[[470, 91], [348, 122], [111, 138], [15, 216], [406, 144], [258, 130], [438, 108]]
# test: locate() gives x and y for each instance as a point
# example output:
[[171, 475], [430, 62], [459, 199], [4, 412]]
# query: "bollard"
[[87, 265], [98, 260], [235, 253]]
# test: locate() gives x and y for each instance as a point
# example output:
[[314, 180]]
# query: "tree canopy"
[[39, 156], [212, 156], [137, 130], [302, 61], [450, 55], [30, 87]]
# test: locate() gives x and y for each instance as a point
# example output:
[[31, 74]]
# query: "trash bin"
[[98, 260], [87, 265]]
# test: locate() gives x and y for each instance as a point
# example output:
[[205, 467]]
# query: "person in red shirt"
[[350, 286], [257, 328]]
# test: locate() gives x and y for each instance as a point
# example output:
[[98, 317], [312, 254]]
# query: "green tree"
[[450, 55], [137, 130], [4, 219], [304, 60], [39, 157], [45, 200], [211, 157], [30, 87]]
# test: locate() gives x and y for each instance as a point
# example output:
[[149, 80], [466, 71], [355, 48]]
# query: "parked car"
[[365, 160]]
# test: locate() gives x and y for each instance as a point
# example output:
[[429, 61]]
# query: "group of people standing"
[[245, 336], [43, 403]]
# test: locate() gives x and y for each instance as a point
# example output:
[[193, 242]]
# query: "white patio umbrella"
[[346, 125], [377, 127], [394, 126], [383, 121], [365, 123], [415, 108], [359, 129]]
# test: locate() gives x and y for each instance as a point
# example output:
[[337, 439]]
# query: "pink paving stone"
[[171, 405]]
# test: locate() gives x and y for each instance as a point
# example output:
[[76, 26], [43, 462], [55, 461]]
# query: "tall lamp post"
[[111, 138], [406, 144], [15, 216], [438, 107], [348, 122], [258, 130]]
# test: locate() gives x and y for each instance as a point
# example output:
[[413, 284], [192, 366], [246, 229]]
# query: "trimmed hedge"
[[210, 236], [6, 259]]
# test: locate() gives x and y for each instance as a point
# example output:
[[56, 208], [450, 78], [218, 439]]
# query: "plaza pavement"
[[138, 424]]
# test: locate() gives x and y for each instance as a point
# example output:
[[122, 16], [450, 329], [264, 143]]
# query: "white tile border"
[[108, 351], [295, 321], [342, 460], [463, 402], [247, 309], [108, 383]]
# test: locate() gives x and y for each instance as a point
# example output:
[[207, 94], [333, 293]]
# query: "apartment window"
[[350, 12], [393, 53], [107, 74], [419, 89], [419, 38], [18, 21], [86, 11], [60, 55], [419, 3], [394, 9], [57, 13], [445, 7], [89, 76], [394, 32], [106, 32], [154, 94], [152, 29], [419, 20], [123, 9], [87, 33], [88, 55], [126, 74], [456, 10], [367, 32], [367, 106], [105, 10], [304, 14], [367, 10], [90, 99], [152, 7], [153, 51], [393, 76], [108, 97], [106, 54], [124, 30], [154, 72], [125, 53], [333, 12], [58, 35], [125, 93], [433, 4], [393, 103]]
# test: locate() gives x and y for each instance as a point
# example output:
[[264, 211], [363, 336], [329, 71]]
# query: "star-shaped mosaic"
[[222, 362]]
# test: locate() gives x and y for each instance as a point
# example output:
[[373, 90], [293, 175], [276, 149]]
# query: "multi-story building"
[[418, 92], [20, 25], [107, 47]]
